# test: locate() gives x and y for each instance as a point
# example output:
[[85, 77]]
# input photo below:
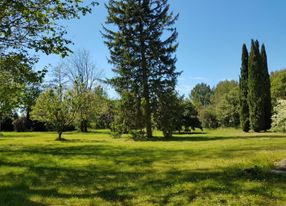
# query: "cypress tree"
[[141, 50], [255, 89], [266, 90], [243, 85]]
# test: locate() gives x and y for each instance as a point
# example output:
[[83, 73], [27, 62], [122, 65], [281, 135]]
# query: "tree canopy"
[[35, 25]]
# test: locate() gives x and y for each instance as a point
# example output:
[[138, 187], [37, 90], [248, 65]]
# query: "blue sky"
[[211, 34]]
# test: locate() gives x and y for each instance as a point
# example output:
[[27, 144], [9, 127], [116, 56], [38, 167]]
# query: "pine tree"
[[142, 56], [266, 90], [255, 89], [243, 85]]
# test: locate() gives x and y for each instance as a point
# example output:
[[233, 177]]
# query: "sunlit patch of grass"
[[216, 167]]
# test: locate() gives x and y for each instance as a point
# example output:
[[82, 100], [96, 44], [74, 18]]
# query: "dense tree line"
[[219, 106]]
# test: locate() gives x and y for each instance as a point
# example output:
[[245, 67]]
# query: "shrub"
[[139, 135], [279, 116], [209, 119], [7, 124], [22, 124]]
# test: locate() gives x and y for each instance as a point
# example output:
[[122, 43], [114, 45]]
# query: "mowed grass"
[[221, 167]]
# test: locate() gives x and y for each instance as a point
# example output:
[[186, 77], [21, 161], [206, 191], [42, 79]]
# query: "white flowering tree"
[[279, 116]]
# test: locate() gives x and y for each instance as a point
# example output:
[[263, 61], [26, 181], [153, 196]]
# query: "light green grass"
[[221, 167]]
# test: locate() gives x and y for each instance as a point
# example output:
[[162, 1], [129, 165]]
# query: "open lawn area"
[[221, 167]]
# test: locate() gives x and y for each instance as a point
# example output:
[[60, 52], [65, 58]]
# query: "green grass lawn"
[[222, 167]]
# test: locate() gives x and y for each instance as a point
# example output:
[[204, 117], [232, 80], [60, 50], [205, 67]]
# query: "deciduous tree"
[[35, 24]]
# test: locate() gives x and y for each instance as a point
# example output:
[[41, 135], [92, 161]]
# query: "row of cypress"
[[255, 96]]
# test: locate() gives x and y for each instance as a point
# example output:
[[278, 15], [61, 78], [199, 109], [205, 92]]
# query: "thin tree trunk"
[[60, 136], [1, 127], [83, 125]]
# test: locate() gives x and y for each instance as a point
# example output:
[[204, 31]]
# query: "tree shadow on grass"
[[128, 175], [226, 182], [16, 195], [182, 138]]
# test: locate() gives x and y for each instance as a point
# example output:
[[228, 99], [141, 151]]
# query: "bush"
[[38, 126], [7, 124], [209, 119], [22, 124], [279, 116], [138, 135]]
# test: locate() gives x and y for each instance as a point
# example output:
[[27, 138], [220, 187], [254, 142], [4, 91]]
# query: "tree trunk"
[[83, 125], [28, 114], [60, 136], [146, 92], [1, 127]]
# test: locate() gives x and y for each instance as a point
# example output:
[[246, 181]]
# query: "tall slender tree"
[[266, 90], [243, 86], [255, 89], [142, 51]]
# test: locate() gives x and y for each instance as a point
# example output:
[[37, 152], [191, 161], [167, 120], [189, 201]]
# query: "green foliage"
[[16, 75], [278, 85], [222, 89], [225, 103], [279, 116], [243, 91], [106, 116], [228, 109], [169, 114], [56, 109], [190, 119], [125, 110], [255, 89], [259, 97], [266, 89], [83, 75], [209, 118], [138, 135], [34, 24], [9, 93], [22, 124], [201, 95], [142, 46], [29, 96], [89, 103]]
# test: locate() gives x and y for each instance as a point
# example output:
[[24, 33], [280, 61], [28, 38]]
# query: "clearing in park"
[[220, 167]]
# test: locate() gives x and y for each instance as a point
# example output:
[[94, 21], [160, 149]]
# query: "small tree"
[[83, 75], [208, 118], [228, 109], [56, 109], [279, 116], [168, 115], [190, 119]]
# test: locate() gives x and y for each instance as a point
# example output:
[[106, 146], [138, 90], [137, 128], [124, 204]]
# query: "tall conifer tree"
[[142, 51], [243, 84], [266, 90], [255, 89]]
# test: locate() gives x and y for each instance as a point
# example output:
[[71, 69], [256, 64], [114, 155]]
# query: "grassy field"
[[222, 167]]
